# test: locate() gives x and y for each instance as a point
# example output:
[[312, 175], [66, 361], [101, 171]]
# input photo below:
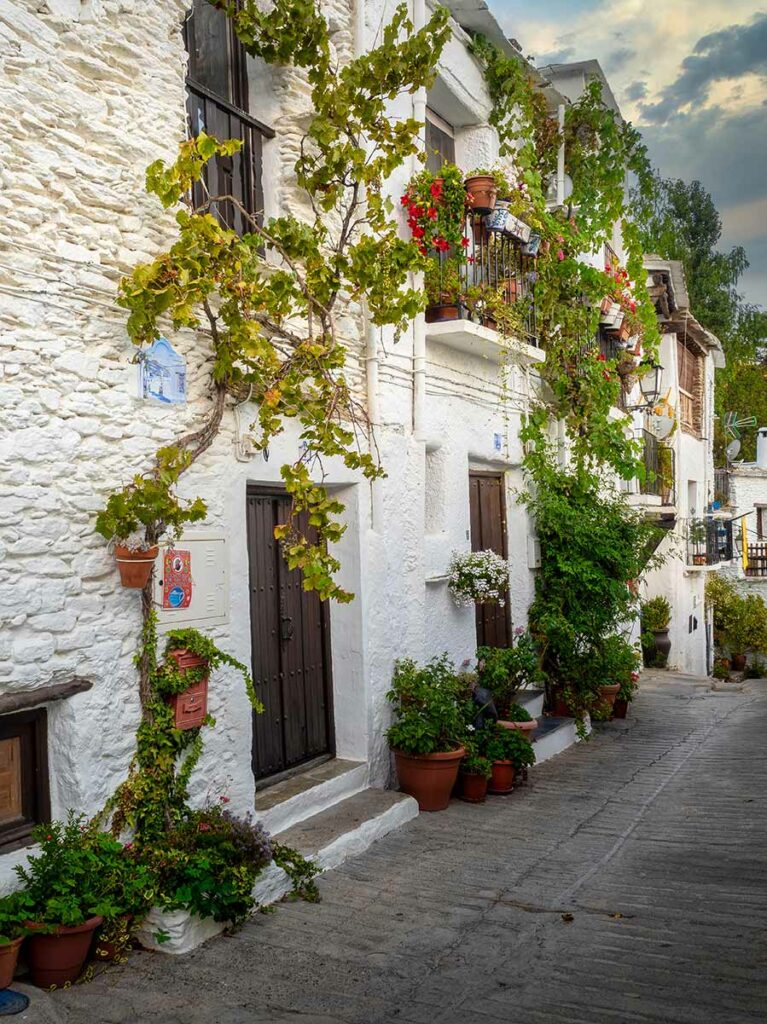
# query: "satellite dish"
[[661, 425], [732, 450]]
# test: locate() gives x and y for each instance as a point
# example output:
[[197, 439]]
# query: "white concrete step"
[[307, 793], [531, 701], [554, 735]]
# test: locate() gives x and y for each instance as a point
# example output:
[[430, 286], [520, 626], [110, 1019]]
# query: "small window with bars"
[[440, 142], [690, 369], [24, 796]]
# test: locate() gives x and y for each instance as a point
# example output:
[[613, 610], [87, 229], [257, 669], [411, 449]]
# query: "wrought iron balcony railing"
[[709, 541], [659, 469]]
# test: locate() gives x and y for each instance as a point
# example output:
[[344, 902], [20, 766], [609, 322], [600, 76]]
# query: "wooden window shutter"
[[10, 780]]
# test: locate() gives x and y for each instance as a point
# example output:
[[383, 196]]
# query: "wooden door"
[[290, 638], [488, 532]]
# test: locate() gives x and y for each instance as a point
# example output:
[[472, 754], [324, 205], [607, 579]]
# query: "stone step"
[[554, 735], [334, 835], [531, 701], [306, 793]]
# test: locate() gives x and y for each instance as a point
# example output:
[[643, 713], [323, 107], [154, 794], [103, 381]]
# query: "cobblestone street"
[[626, 882]]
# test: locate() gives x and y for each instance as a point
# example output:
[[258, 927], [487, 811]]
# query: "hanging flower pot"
[[57, 958], [190, 708], [9, 955], [135, 566], [498, 219], [482, 192]]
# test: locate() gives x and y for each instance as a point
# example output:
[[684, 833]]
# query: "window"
[[761, 522], [690, 368], [24, 799], [218, 104], [440, 142]]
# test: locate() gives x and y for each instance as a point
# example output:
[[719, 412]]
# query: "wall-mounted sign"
[[176, 578], [162, 374], [497, 442]]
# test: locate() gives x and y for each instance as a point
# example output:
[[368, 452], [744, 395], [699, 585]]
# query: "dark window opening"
[[24, 794], [218, 104], [440, 142]]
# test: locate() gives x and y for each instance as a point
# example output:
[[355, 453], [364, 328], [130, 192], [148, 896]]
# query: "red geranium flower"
[[441, 244], [601, 357], [404, 199], [465, 242], [418, 231], [605, 374], [431, 213], [436, 189]]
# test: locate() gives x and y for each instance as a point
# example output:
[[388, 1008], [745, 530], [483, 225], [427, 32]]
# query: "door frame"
[[276, 491], [501, 475]]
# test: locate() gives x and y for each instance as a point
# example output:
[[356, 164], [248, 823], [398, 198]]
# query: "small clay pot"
[[135, 566], [57, 958], [607, 695], [502, 779], [738, 662], [473, 787], [525, 727], [429, 777], [620, 708], [9, 955], [482, 192], [438, 314]]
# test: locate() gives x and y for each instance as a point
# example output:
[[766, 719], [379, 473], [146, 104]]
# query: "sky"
[[692, 76]]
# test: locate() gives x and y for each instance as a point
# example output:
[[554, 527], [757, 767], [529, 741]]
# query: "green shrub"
[[656, 614], [506, 670], [429, 712], [500, 744]]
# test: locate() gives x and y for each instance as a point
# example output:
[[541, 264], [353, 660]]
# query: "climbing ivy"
[[600, 150]]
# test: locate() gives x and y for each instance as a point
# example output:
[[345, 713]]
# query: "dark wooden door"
[[290, 638], [488, 532]]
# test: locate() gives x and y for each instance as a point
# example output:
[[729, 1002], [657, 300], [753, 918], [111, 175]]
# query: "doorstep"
[[305, 794], [554, 735], [531, 701]]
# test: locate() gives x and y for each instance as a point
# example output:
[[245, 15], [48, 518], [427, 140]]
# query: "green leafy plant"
[[169, 679], [721, 669], [75, 876], [436, 208], [442, 281], [500, 744], [656, 614], [475, 763], [427, 706], [506, 670], [16, 909]]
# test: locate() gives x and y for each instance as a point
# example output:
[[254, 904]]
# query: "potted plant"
[[655, 617], [442, 283], [505, 671], [508, 751], [428, 730], [481, 190], [745, 629], [135, 518], [131, 889], [474, 775], [67, 895], [615, 663], [478, 577], [666, 473], [436, 209], [183, 677], [14, 912]]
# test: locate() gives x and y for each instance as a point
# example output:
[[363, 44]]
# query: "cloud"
[[618, 58], [729, 53], [635, 91]]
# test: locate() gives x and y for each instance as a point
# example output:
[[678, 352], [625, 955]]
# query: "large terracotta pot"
[[738, 662], [438, 314], [9, 954], [502, 779], [481, 188], [428, 777], [57, 958], [473, 787], [525, 727], [607, 695], [559, 708], [190, 708], [135, 566], [620, 708]]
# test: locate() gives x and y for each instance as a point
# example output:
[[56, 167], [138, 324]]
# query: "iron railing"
[[722, 492], [757, 560], [659, 469], [496, 263], [709, 541]]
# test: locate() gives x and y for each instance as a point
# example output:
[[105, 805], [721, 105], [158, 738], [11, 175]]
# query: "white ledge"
[[483, 342]]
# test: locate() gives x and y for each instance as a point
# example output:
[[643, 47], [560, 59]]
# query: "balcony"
[[660, 469], [757, 561], [722, 488], [487, 304], [709, 542]]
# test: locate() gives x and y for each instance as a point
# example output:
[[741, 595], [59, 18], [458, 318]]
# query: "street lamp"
[[649, 384]]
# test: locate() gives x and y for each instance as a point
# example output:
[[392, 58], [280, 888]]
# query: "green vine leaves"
[[600, 150], [270, 298]]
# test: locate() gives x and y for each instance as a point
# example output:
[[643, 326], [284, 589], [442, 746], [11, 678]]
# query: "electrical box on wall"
[[533, 553], [191, 581]]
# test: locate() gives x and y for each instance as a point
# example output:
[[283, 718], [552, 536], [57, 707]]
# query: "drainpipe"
[[419, 324], [561, 156]]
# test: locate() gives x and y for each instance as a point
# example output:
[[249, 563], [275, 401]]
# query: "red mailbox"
[[191, 706]]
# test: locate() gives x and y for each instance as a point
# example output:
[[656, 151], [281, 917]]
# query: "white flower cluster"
[[478, 577]]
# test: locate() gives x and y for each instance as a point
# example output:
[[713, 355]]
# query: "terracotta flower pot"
[[662, 647], [526, 727], [473, 787], [9, 954], [620, 708], [559, 707], [482, 192], [428, 777], [738, 662], [502, 779], [57, 958], [190, 708], [135, 566], [437, 314], [607, 695]]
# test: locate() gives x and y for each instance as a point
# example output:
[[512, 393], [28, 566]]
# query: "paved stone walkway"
[[627, 882]]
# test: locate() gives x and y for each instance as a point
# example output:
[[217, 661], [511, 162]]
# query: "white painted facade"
[[748, 504], [94, 91]]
